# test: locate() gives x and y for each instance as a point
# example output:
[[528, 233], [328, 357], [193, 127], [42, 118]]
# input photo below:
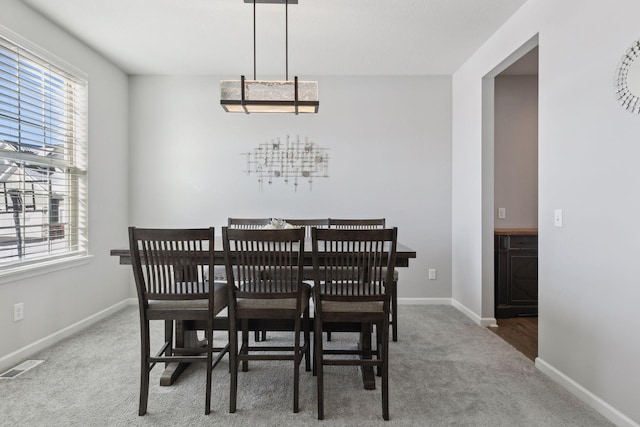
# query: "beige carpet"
[[445, 371]]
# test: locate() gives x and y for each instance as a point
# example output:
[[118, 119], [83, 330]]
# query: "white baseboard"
[[482, 321], [611, 413], [19, 355], [424, 301], [608, 411]]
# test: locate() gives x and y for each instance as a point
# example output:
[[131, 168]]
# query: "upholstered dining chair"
[[169, 267], [353, 271], [365, 224], [264, 272]]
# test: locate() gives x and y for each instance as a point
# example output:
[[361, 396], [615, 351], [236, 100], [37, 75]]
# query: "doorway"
[[510, 198]]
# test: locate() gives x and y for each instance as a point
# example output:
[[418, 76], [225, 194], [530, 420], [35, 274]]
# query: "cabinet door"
[[516, 275], [523, 267]]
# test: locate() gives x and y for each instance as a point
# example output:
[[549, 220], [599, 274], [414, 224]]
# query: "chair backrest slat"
[[172, 263], [264, 263], [248, 223], [357, 224], [354, 263]]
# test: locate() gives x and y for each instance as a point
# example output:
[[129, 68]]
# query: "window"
[[43, 156]]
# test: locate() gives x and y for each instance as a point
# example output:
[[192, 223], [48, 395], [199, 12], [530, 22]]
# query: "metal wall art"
[[627, 80], [290, 161]]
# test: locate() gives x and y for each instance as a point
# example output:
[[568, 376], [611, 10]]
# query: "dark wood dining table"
[[403, 254], [186, 330]]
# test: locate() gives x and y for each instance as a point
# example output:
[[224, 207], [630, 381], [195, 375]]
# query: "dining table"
[[186, 331]]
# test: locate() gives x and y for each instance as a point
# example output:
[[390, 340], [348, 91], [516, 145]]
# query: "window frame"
[[73, 169]]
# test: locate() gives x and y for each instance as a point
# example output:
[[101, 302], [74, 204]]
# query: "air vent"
[[20, 369]]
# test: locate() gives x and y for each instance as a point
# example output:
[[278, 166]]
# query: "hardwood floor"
[[521, 333]]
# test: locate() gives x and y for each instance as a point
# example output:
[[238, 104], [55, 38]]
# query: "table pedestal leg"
[[183, 338], [368, 376]]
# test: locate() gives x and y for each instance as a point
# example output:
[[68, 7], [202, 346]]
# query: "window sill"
[[45, 267]]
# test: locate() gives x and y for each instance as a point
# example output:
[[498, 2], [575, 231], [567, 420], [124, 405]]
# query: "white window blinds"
[[43, 156]]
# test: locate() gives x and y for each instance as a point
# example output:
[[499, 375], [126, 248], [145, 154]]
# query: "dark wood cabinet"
[[516, 273]]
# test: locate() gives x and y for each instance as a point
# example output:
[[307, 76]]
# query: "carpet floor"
[[444, 371]]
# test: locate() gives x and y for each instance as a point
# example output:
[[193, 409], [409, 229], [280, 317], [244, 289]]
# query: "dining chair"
[[368, 224], [353, 269], [264, 272], [169, 267], [373, 223], [249, 224]]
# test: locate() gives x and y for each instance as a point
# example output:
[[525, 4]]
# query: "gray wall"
[[55, 300], [389, 143], [516, 151], [588, 154]]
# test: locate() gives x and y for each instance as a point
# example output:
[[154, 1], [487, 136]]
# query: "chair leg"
[[168, 337], [366, 330], [244, 348], [314, 368], [394, 310], [379, 347], [317, 351], [257, 336], [209, 336], [297, 357], [385, 371], [229, 340], [307, 341], [144, 366], [233, 364]]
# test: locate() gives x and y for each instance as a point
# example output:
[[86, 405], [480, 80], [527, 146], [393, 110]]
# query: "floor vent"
[[20, 369]]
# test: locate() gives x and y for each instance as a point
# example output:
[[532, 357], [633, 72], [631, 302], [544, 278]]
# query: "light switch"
[[557, 217], [432, 274], [502, 213]]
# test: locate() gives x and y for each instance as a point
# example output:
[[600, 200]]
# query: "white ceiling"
[[326, 37]]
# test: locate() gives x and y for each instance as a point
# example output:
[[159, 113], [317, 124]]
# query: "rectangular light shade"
[[268, 96]]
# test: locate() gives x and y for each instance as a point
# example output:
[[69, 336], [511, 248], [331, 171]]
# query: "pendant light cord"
[[254, 39], [286, 32], [286, 43]]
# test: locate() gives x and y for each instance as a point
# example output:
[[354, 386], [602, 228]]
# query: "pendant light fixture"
[[269, 96]]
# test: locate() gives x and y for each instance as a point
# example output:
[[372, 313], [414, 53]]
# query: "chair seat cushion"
[[220, 297], [350, 307], [275, 303]]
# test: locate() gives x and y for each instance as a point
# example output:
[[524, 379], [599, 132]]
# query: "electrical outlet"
[[432, 274], [18, 311], [557, 217], [502, 213]]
